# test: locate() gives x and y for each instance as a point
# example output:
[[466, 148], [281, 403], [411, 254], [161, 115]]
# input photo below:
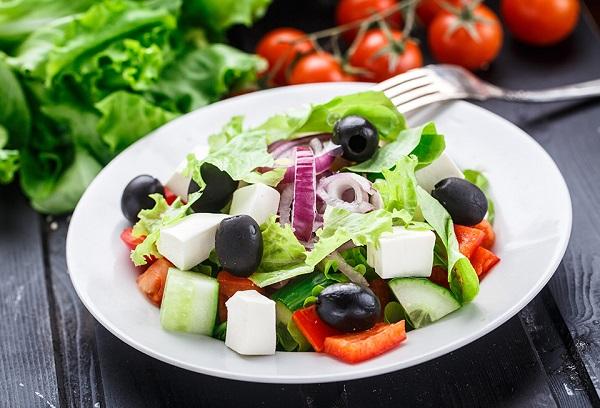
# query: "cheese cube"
[[256, 200], [190, 241], [402, 253], [250, 323], [179, 183], [441, 168]]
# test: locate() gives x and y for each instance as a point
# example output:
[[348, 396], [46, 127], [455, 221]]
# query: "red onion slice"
[[323, 162], [304, 203], [285, 148], [285, 204], [350, 192]]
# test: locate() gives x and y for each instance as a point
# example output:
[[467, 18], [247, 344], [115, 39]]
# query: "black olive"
[[239, 245], [136, 196], [217, 192], [464, 201], [348, 307], [357, 136]]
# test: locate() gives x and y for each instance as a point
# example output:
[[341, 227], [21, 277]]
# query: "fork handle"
[[575, 91]]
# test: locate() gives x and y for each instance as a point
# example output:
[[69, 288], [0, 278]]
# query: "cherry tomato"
[[277, 49], [349, 11], [318, 67], [541, 22], [427, 10], [384, 59], [451, 42]]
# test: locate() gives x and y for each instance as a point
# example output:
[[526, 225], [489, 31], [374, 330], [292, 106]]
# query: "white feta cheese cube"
[[441, 168], [190, 241], [256, 200], [250, 323], [179, 183], [402, 253]]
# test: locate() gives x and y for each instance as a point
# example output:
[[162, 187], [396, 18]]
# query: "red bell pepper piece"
[[169, 196], [490, 235], [152, 281], [439, 276], [129, 240], [483, 260], [357, 347], [469, 239], [312, 327], [228, 285], [383, 293]]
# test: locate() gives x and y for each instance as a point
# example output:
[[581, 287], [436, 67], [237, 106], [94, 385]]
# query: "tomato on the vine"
[[383, 58], [319, 66], [471, 38], [350, 11], [540, 22], [427, 10], [280, 48]]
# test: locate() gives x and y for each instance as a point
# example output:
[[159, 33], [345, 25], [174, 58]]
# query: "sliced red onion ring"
[[283, 148], [304, 202], [285, 204], [323, 162], [350, 192], [346, 269]]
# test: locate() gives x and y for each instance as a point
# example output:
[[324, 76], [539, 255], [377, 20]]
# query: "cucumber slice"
[[288, 335], [189, 302], [295, 293], [423, 301]]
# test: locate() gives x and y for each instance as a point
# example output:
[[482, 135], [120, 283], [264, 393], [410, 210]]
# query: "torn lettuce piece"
[[398, 188], [481, 181]]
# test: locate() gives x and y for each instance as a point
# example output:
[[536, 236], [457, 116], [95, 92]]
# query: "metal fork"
[[436, 83]]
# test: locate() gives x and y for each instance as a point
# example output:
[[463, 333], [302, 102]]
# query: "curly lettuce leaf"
[[9, 159], [424, 142], [398, 188], [283, 255], [341, 226], [15, 117], [219, 15], [232, 129], [127, 117], [463, 279], [481, 181]]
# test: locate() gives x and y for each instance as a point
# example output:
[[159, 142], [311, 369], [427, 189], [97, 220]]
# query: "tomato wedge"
[[152, 281], [483, 260], [129, 240], [312, 327], [228, 285], [469, 239], [439, 276], [356, 347], [490, 235]]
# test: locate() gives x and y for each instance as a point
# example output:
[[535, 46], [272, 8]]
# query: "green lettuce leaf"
[[424, 142], [218, 15], [153, 220], [14, 113], [283, 255], [341, 226], [463, 279], [479, 179], [126, 117], [232, 129], [398, 188], [9, 159]]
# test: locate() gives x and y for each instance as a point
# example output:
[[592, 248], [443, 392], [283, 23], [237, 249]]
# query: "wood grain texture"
[[76, 348], [27, 370], [500, 369]]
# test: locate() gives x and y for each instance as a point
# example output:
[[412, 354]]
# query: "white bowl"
[[533, 225]]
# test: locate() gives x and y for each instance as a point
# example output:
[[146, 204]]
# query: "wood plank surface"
[[27, 370]]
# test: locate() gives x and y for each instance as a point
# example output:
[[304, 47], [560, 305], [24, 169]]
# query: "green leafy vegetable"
[[9, 159], [398, 188], [463, 279], [15, 118], [477, 178], [232, 129], [218, 15], [341, 226], [424, 142]]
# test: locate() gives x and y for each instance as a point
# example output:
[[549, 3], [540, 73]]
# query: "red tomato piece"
[[318, 67], [469, 239], [350, 11], [356, 347], [312, 327], [382, 290], [439, 276], [228, 285], [152, 281], [129, 240], [169, 196], [490, 235], [427, 10], [483, 260]]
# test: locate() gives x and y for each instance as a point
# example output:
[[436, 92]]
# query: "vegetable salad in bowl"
[[336, 229]]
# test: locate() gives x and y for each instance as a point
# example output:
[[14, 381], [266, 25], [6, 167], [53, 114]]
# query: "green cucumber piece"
[[189, 302], [295, 293], [423, 301], [288, 335]]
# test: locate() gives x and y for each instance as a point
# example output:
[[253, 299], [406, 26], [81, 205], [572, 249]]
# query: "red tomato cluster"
[[461, 32]]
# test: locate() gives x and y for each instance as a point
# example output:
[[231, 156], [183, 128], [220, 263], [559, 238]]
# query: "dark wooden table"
[[53, 353]]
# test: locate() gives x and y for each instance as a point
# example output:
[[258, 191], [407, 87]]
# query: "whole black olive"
[[239, 245], [348, 307], [136, 196], [357, 136], [464, 201], [217, 192]]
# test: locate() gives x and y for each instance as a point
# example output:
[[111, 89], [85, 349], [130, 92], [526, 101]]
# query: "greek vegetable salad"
[[335, 229]]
